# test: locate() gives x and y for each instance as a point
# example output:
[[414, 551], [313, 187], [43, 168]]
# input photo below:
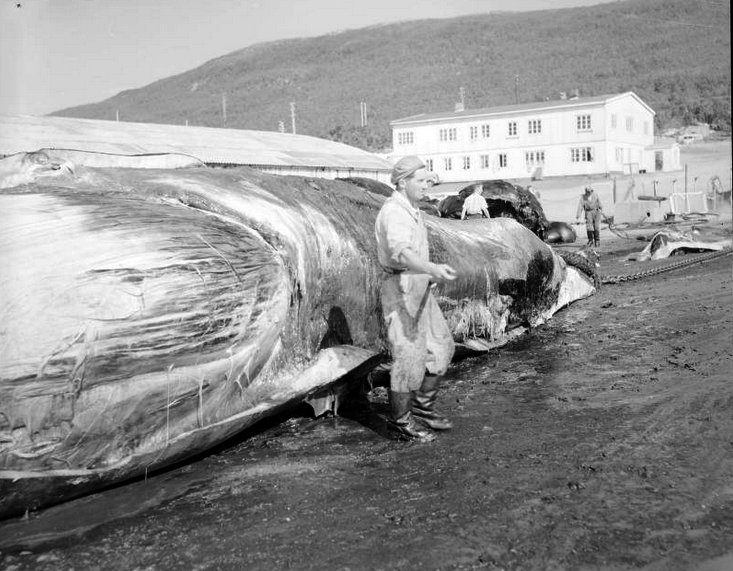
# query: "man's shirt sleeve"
[[395, 229]]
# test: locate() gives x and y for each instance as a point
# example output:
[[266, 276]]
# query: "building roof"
[[20, 133], [578, 102]]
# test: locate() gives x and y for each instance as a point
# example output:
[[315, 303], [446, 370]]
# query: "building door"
[[658, 160]]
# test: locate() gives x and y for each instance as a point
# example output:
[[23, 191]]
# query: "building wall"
[[630, 129], [596, 138], [665, 155], [326, 172]]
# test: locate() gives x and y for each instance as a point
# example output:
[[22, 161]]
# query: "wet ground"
[[602, 440]]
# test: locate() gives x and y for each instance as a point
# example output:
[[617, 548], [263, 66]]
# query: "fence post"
[[614, 190], [685, 178]]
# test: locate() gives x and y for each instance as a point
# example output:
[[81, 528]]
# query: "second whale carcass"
[[150, 314]]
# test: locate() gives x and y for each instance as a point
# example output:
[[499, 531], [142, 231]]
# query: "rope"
[[583, 264]]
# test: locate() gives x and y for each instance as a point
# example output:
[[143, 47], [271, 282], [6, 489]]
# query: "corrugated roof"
[[513, 109], [21, 133], [448, 188]]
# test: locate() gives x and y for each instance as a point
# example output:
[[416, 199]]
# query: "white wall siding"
[[575, 137]]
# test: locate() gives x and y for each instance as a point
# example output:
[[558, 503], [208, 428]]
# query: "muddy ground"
[[602, 440]]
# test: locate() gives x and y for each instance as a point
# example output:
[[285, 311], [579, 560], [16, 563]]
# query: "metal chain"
[[619, 278], [666, 268]]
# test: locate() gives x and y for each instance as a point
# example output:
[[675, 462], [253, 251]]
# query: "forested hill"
[[675, 54]]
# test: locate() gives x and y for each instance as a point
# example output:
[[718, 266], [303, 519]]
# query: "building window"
[[512, 128], [614, 120], [534, 158], [629, 123], [474, 132], [485, 131], [484, 161], [448, 163], [405, 138], [502, 160], [534, 126], [466, 163], [429, 164], [582, 122], [581, 155], [448, 134]]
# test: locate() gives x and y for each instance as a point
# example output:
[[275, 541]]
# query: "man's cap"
[[405, 167]]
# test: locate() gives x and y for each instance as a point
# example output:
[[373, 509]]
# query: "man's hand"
[[443, 273], [439, 272]]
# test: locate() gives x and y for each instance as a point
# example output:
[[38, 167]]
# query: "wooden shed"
[[273, 152]]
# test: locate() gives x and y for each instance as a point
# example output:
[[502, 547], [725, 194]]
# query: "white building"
[[577, 136]]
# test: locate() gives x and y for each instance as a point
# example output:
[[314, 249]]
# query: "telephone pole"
[[363, 110], [292, 115]]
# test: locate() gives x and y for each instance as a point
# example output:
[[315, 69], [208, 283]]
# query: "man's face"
[[415, 186]]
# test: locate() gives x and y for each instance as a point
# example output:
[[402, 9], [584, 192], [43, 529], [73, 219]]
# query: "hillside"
[[675, 54]]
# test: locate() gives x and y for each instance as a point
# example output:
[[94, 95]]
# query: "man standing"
[[591, 205], [475, 204], [418, 336]]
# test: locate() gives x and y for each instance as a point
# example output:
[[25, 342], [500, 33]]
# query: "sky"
[[60, 53]]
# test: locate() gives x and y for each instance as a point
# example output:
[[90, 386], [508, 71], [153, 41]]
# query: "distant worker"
[[591, 205], [418, 336], [475, 205]]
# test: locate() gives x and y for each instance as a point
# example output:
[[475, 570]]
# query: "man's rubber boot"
[[401, 421], [591, 237], [423, 405]]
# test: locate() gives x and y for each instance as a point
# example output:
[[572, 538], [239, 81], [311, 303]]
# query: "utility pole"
[[292, 115], [462, 95], [363, 110], [516, 89], [224, 107], [117, 115]]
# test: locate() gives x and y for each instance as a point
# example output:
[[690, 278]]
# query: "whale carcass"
[[504, 199], [149, 314], [670, 242]]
